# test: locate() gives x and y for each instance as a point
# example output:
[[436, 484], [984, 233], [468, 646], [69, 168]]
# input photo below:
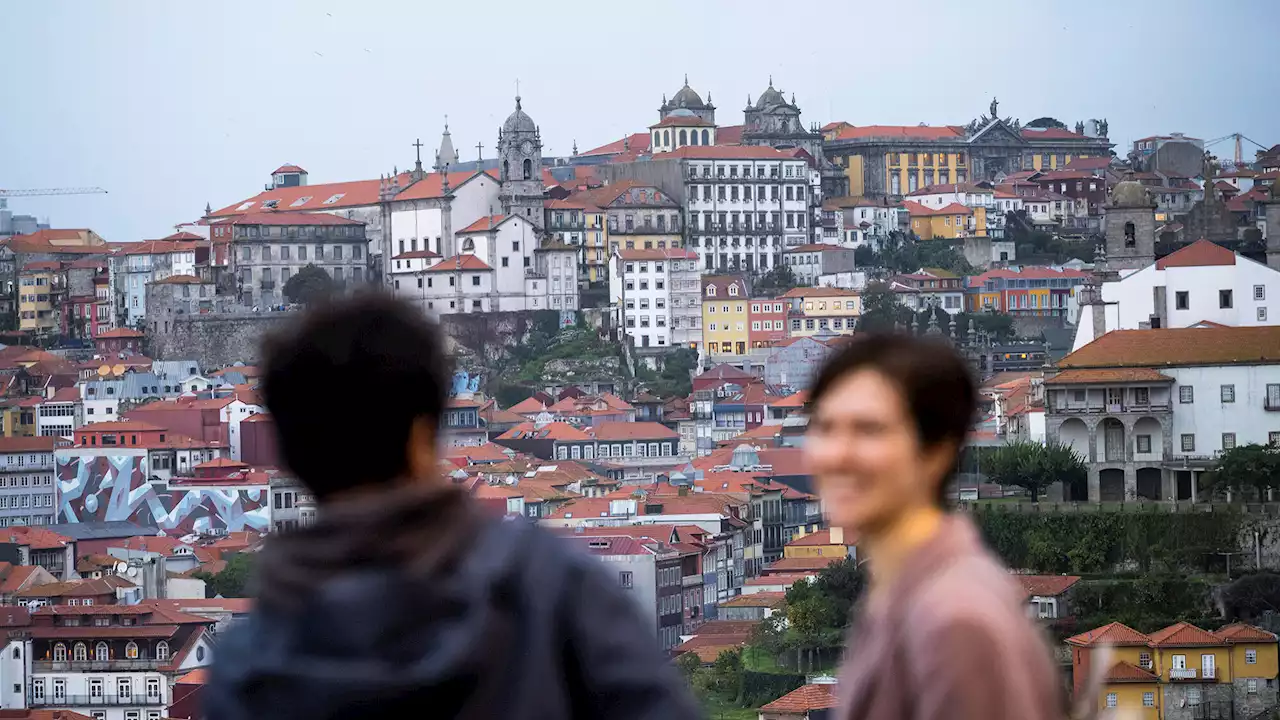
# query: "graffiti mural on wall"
[[106, 488]]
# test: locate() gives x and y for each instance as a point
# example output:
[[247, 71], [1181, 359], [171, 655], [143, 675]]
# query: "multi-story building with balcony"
[[1028, 290], [1150, 410], [1180, 672], [38, 286], [742, 204], [26, 480], [136, 265], [260, 251], [655, 294], [110, 662]]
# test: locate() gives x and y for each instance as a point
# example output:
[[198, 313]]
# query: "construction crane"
[[52, 191], [1239, 149]]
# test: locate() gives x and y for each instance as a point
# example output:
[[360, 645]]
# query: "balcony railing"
[[691, 580], [50, 699], [1110, 408], [1182, 674], [95, 665]]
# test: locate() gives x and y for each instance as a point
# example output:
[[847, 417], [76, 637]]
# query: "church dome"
[[769, 98], [687, 98], [681, 112], [519, 121], [1130, 193]]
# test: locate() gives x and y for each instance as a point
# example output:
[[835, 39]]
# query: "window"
[[80, 652], [1182, 300], [1251, 657], [625, 579], [130, 650], [1252, 686], [1224, 299], [1111, 700], [1148, 698], [1144, 660], [1273, 439], [101, 652], [1228, 441], [1144, 443], [162, 650], [1262, 314], [1193, 693], [1186, 394], [60, 653], [1188, 442]]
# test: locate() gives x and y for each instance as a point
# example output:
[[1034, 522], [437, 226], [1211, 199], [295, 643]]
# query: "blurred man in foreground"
[[403, 596]]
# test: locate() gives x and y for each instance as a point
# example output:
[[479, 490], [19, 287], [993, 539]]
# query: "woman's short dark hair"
[[937, 388], [345, 385]]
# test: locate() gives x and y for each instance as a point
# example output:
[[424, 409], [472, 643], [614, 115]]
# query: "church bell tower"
[[520, 166]]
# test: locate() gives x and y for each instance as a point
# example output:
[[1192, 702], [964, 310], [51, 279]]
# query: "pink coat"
[[950, 639]]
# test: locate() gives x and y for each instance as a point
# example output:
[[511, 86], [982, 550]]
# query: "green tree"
[[881, 310], [309, 285], [1035, 467], [778, 280], [998, 325], [233, 580], [1252, 466], [688, 664], [1047, 122]]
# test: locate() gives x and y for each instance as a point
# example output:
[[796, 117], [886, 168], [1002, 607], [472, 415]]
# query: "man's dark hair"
[[937, 389], [345, 385]]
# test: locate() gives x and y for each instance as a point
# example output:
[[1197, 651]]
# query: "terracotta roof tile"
[[528, 405], [1200, 253], [917, 209], [1183, 634], [459, 262], [1047, 585], [484, 224], [286, 217], [432, 184], [1174, 347], [804, 699], [416, 255], [1128, 672], [325, 196], [611, 431], [34, 537], [761, 599], [820, 537], [119, 333], [1240, 632], [635, 143], [1107, 375], [1112, 634], [550, 431]]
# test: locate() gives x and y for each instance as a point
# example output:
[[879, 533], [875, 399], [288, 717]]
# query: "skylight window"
[[271, 204], [245, 206], [300, 201], [334, 198]]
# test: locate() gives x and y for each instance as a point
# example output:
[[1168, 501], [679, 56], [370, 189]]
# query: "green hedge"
[[759, 688], [1094, 542]]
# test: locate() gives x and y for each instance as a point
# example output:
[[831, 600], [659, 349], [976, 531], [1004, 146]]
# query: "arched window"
[[1130, 235], [693, 137], [711, 290], [79, 652], [468, 245], [60, 652], [131, 651], [706, 137], [101, 652], [656, 138], [733, 289], [17, 653], [684, 137], [666, 138], [162, 650], [506, 169], [528, 169]]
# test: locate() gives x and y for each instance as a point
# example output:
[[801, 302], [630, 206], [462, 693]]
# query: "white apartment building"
[[60, 414], [136, 264], [809, 262], [657, 296], [867, 222], [1201, 283], [1150, 410], [26, 481], [745, 205], [500, 267]]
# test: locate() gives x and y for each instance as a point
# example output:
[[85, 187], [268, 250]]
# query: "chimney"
[[837, 535]]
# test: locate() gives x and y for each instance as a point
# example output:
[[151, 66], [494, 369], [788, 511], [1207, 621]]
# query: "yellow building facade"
[[815, 310], [725, 315], [944, 223], [821, 543], [1231, 672], [35, 297]]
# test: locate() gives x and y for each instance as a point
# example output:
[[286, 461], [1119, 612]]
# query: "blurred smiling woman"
[[943, 631]]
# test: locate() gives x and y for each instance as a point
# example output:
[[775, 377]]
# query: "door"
[[1115, 441], [1206, 667]]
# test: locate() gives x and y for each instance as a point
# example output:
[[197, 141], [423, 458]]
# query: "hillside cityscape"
[[636, 325]]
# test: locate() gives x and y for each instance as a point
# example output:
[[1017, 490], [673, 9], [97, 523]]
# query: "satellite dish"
[[133, 571], [118, 370], [122, 567], [104, 371]]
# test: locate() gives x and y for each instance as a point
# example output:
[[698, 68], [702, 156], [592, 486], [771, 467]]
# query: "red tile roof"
[[432, 185], [1047, 585], [528, 405], [416, 255], [551, 431], [1242, 633], [34, 538], [614, 431], [1183, 634], [178, 280], [636, 143], [1110, 634], [1090, 163], [682, 121], [729, 135], [761, 599], [916, 208], [119, 333], [288, 217], [357, 193], [1200, 253], [820, 537], [1107, 375], [814, 292], [1128, 672], [1173, 347], [287, 168], [459, 262], [945, 188], [804, 699], [913, 132], [27, 444], [484, 224]]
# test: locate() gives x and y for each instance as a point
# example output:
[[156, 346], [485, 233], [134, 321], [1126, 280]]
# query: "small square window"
[[1144, 443], [1186, 394], [1228, 393], [1228, 441], [1262, 314], [1224, 299], [1251, 656], [1188, 442], [1259, 292], [1182, 300]]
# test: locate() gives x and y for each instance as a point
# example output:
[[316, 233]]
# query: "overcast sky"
[[170, 105]]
